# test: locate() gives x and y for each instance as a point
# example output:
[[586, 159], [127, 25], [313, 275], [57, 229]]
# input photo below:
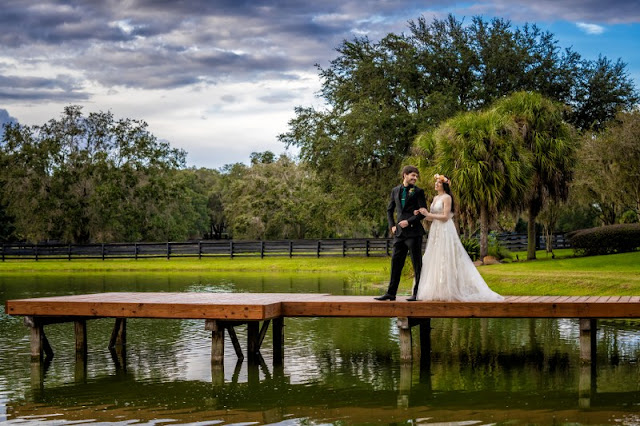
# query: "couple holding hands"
[[445, 271]]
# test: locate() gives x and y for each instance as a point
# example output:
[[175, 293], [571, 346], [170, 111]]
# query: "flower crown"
[[442, 178]]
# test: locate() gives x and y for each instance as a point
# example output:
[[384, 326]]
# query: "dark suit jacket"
[[415, 200]]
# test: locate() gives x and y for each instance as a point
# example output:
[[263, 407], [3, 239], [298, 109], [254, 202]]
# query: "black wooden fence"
[[230, 248]]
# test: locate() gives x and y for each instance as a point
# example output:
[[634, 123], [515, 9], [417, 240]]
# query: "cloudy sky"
[[220, 78]]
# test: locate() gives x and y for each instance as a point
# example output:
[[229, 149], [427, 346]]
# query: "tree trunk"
[[484, 231], [531, 235]]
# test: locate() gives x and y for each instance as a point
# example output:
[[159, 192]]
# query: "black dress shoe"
[[412, 299], [385, 297]]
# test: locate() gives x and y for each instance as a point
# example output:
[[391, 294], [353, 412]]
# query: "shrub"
[[606, 239], [472, 246], [496, 249]]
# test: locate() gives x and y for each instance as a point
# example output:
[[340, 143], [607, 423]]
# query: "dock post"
[[217, 340], [277, 328], [406, 342], [80, 329], [588, 331], [425, 341], [253, 340], [38, 340]]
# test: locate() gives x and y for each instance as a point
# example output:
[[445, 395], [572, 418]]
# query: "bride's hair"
[[447, 190]]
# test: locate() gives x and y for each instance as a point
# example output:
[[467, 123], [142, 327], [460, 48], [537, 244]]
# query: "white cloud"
[[590, 28]]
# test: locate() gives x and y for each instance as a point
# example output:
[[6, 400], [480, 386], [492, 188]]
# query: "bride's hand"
[[423, 211]]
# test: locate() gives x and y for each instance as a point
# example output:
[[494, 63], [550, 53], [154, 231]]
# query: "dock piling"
[[588, 332]]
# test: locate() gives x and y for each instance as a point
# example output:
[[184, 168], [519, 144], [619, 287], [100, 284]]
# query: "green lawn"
[[617, 274]]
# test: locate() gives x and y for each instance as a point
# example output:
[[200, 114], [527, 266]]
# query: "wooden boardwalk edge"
[[263, 306]]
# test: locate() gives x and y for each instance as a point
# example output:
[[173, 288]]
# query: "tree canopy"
[[93, 178], [380, 95]]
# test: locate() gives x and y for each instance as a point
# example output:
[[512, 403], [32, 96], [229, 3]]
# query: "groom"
[[407, 231]]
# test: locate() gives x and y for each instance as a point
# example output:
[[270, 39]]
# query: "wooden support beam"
[[234, 341], [253, 337], [48, 351], [80, 331], [217, 340], [278, 341], [425, 341], [406, 342], [39, 345], [80, 370], [588, 333], [263, 332], [119, 333]]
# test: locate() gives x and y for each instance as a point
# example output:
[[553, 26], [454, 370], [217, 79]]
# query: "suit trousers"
[[412, 245]]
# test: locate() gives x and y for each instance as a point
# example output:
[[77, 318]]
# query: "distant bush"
[[606, 239], [497, 249], [472, 246]]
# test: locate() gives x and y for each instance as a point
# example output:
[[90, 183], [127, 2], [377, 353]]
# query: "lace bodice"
[[437, 206]]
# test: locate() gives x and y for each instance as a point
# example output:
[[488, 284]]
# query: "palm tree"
[[552, 143], [480, 152]]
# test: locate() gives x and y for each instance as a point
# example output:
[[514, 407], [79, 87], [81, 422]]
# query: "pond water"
[[336, 371]]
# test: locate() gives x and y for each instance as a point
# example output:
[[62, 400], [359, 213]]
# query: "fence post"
[[318, 250], [3, 252], [344, 248], [231, 249], [135, 250], [168, 250], [261, 249], [69, 253], [102, 249], [290, 248], [366, 249], [199, 249], [36, 247]]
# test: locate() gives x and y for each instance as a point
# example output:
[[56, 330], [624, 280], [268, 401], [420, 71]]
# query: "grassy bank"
[[565, 275]]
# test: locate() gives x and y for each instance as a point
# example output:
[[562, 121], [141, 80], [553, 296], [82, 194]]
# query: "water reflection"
[[335, 370]]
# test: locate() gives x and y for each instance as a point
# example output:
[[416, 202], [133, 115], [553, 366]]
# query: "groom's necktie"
[[405, 194]]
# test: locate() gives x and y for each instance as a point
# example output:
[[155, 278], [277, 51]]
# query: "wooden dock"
[[222, 312]]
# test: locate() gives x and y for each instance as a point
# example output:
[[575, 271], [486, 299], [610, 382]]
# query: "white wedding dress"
[[448, 273]]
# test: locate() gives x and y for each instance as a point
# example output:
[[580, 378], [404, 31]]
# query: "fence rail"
[[230, 248]]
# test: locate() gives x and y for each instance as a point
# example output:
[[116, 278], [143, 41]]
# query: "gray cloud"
[[277, 98], [61, 88], [151, 44], [168, 44], [591, 11]]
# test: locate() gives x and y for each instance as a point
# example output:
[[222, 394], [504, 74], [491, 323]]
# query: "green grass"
[[617, 274]]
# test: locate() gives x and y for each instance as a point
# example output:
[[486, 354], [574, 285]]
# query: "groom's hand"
[[393, 230], [403, 223]]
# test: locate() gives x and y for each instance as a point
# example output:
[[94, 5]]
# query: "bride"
[[447, 270]]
